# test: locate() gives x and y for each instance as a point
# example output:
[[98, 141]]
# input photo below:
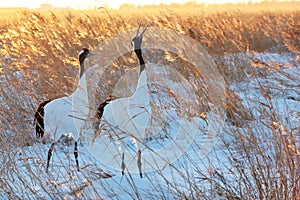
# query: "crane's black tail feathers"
[[39, 119], [100, 110]]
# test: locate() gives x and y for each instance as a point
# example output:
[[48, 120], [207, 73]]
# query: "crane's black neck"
[[138, 52], [81, 69]]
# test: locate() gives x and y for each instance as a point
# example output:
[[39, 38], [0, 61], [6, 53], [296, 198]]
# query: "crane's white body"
[[131, 115], [67, 114]]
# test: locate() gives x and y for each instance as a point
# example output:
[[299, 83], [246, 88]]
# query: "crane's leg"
[[49, 156], [123, 164], [139, 162], [76, 156]]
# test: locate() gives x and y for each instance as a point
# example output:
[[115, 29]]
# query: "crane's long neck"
[[81, 69], [138, 52], [82, 78], [80, 96], [142, 86]]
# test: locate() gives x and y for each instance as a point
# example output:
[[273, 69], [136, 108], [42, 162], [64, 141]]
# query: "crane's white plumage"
[[132, 114], [68, 114]]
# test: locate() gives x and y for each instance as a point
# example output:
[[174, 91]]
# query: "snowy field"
[[269, 96]]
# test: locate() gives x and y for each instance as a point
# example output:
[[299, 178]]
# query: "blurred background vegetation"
[[38, 58]]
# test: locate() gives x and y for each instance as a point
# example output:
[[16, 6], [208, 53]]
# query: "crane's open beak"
[[138, 30], [137, 40], [90, 54]]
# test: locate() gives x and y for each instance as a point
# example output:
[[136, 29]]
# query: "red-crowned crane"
[[67, 114], [131, 115]]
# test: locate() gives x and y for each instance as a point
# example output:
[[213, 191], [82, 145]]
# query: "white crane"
[[131, 115], [68, 114]]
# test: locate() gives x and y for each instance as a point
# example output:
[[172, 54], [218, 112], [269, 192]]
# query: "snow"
[[199, 153], [64, 180]]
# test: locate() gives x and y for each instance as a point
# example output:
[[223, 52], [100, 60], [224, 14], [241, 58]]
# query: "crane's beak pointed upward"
[[144, 30], [138, 30], [90, 54]]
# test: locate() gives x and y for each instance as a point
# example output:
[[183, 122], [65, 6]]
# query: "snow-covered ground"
[[277, 90]]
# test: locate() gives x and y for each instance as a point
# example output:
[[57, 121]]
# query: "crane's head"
[[137, 40], [83, 54], [110, 97]]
